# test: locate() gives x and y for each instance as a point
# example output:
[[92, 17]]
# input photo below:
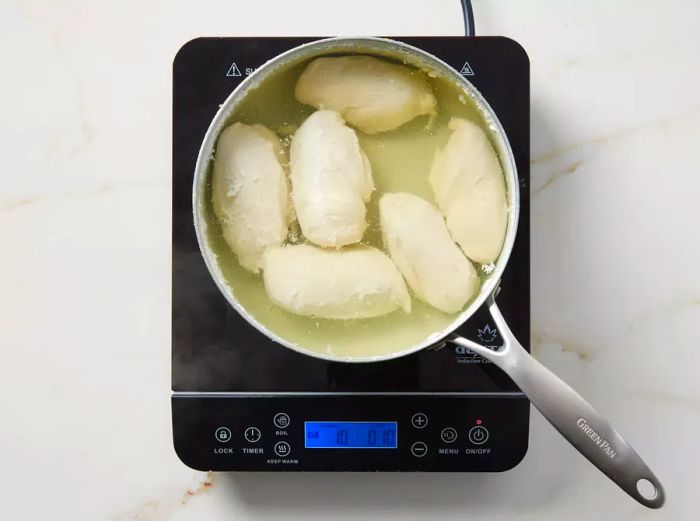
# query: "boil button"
[[478, 435], [281, 420]]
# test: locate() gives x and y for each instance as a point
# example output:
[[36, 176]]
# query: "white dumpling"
[[357, 282], [470, 190], [371, 94], [250, 193], [418, 242], [331, 180]]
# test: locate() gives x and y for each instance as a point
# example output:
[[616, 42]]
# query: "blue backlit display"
[[350, 435]]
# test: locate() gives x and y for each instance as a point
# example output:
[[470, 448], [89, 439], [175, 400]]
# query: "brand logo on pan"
[[602, 443], [487, 335]]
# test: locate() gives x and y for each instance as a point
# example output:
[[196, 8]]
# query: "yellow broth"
[[400, 161]]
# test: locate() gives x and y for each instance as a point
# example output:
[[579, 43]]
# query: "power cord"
[[468, 14]]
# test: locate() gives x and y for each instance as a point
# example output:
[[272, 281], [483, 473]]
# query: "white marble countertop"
[[85, 269]]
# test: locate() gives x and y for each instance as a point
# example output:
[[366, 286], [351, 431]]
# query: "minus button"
[[419, 449]]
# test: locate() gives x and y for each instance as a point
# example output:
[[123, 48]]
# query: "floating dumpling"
[[331, 180], [470, 190], [371, 94], [358, 282], [249, 191], [418, 242]]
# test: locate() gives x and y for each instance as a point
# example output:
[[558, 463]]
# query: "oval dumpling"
[[372, 95], [470, 190], [356, 282], [250, 194], [331, 180], [418, 242]]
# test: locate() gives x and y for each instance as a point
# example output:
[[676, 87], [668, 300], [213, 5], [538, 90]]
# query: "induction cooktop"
[[242, 402]]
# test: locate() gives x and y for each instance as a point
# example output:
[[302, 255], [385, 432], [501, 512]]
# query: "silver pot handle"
[[571, 415]]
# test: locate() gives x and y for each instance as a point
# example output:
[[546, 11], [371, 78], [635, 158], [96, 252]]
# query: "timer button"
[[282, 449], [478, 435], [252, 434], [419, 420], [281, 420], [419, 449]]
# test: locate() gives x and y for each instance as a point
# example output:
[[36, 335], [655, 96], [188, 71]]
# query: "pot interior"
[[400, 161]]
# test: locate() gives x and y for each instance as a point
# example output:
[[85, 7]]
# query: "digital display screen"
[[350, 435]]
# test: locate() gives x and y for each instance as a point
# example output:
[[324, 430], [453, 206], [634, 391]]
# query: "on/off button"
[[478, 435]]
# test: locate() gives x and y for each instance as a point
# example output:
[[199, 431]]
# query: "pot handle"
[[571, 415]]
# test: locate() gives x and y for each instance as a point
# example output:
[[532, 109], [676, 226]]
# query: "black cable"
[[468, 13]]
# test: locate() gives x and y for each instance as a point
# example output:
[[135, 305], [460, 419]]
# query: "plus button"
[[419, 420]]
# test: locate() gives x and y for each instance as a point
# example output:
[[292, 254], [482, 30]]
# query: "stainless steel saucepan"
[[568, 412]]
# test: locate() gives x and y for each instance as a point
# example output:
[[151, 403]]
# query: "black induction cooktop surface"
[[215, 350]]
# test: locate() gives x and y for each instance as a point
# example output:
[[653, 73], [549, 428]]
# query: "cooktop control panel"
[[350, 432]]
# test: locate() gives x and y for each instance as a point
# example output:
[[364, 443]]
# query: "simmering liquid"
[[400, 161]]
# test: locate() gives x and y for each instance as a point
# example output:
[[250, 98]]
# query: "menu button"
[[448, 435]]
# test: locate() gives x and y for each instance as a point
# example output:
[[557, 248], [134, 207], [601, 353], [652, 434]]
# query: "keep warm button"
[[282, 449], [478, 435]]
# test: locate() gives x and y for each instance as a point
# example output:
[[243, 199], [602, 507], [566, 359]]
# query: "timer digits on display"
[[350, 435]]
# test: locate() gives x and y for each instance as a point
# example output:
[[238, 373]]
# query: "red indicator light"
[[478, 422]]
